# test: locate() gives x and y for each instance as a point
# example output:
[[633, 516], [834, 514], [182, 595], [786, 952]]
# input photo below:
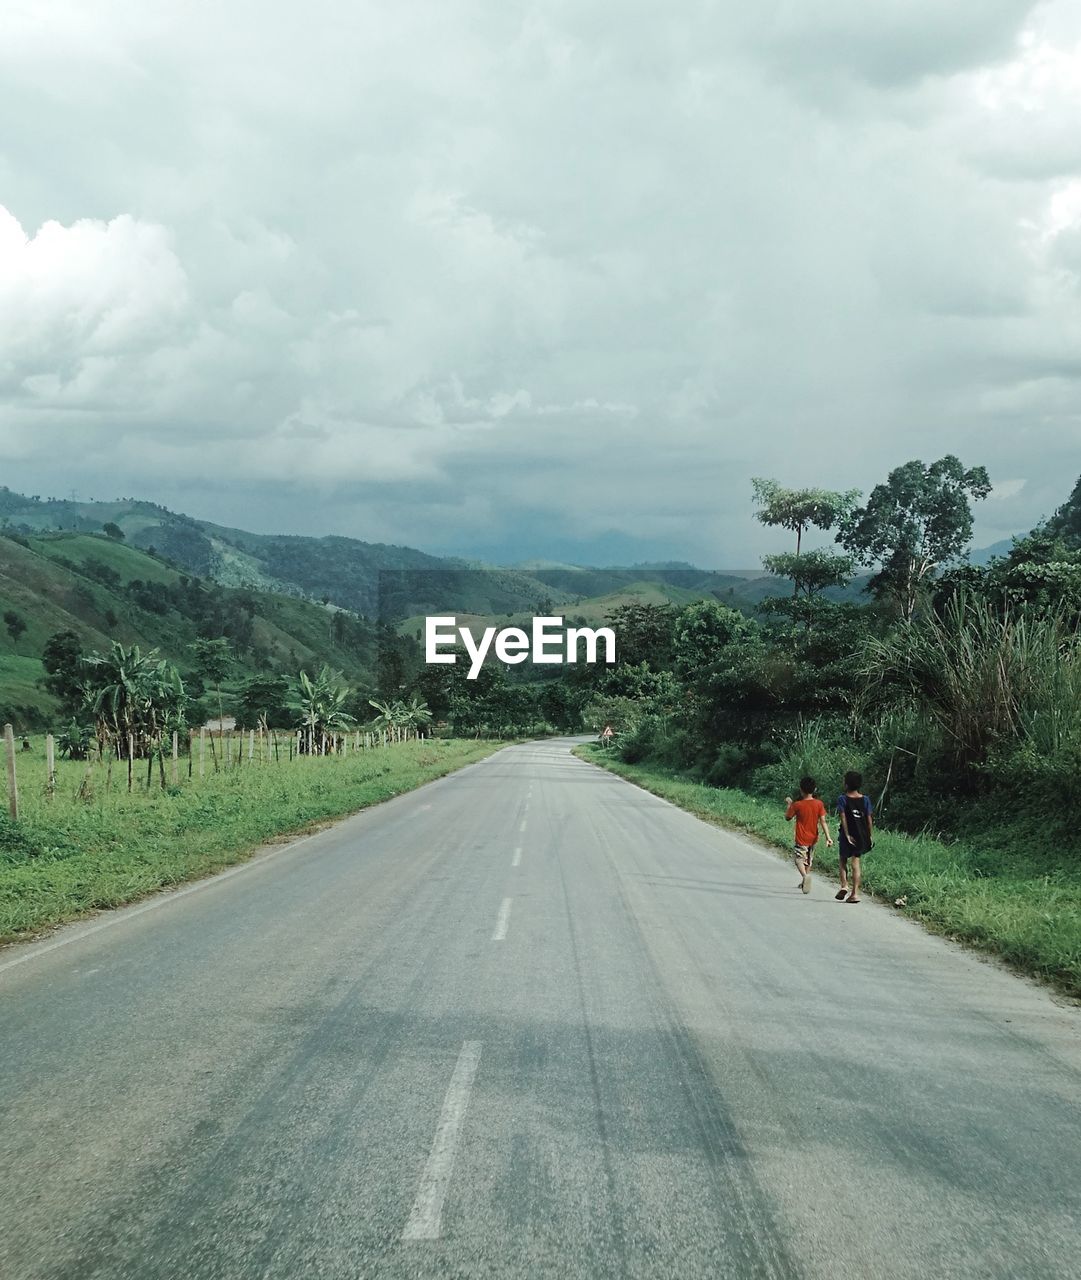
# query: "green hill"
[[105, 590], [343, 571]]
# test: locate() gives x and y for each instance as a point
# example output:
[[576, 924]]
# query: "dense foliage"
[[955, 689]]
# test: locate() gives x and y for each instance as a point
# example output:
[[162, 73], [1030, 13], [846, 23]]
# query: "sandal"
[[840, 897], [851, 899]]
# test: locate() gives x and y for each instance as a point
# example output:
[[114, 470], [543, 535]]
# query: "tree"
[[15, 625], [1065, 524], [62, 659], [643, 633], [263, 700], [413, 714], [917, 522], [703, 631], [321, 703], [113, 531], [399, 660], [136, 694], [561, 705], [213, 661], [800, 509], [811, 572], [74, 740]]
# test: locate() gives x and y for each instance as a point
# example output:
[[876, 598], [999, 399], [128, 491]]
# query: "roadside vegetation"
[[129, 796], [1023, 906], [88, 847], [954, 688]]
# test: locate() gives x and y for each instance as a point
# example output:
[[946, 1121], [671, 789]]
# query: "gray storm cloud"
[[538, 276]]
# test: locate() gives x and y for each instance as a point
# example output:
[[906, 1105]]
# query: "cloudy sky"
[[537, 277]]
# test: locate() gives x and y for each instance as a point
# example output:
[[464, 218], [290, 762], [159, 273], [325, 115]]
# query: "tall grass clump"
[[986, 675]]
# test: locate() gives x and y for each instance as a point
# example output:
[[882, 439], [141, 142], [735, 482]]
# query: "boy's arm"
[[824, 824], [790, 812], [870, 820], [844, 825]]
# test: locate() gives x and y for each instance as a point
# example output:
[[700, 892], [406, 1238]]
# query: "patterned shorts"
[[803, 853]]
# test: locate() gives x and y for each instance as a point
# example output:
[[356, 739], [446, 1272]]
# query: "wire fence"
[[193, 755]]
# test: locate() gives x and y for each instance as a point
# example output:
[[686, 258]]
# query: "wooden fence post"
[[131, 760], [50, 763], [176, 759], [13, 786], [202, 751], [251, 745]]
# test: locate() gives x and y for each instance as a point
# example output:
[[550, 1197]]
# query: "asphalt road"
[[528, 1021]]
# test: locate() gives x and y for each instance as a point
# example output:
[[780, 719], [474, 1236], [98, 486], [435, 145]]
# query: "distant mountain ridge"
[[343, 571], [347, 572]]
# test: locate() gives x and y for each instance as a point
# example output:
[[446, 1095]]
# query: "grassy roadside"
[[1027, 913], [67, 857]]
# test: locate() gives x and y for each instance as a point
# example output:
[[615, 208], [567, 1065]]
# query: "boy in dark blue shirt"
[[856, 834]]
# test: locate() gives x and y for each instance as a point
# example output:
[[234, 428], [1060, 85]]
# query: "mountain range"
[[371, 579], [136, 572]]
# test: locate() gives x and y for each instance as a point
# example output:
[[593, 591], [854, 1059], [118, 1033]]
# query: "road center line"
[[502, 921], [521, 827], [426, 1219], [516, 861]]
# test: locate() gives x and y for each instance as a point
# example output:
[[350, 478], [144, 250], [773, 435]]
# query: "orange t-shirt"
[[807, 813]]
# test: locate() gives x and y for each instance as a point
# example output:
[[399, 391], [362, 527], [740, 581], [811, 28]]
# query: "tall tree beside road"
[[919, 521], [811, 572], [799, 510]]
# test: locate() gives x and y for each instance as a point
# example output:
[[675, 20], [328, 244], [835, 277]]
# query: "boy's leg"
[[842, 859], [805, 884], [854, 896]]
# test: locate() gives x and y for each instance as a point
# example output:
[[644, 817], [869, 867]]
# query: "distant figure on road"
[[810, 815], [856, 836]]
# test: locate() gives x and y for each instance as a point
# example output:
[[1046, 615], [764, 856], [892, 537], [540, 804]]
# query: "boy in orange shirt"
[[810, 815]]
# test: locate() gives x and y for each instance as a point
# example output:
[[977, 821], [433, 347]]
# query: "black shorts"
[[846, 851]]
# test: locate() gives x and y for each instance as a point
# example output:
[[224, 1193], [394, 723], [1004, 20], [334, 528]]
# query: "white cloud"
[[441, 272], [73, 299]]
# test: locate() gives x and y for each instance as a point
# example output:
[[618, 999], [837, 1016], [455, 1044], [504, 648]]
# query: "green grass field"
[[128, 562], [66, 857], [1024, 910]]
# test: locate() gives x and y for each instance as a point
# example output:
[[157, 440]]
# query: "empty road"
[[528, 1021]]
